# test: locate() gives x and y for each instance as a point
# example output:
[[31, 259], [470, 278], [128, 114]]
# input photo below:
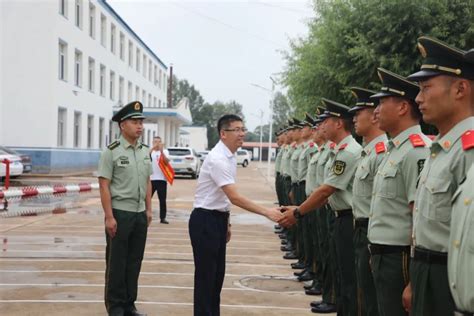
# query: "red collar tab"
[[467, 140], [311, 144], [416, 140], [380, 147], [294, 145], [343, 146], [332, 145]]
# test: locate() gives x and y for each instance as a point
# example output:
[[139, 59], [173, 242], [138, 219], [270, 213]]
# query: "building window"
[[155, 75], [90, 130], [144, 65], [62, 119], [91, 75], [112, 38], [78, 15], [164, 82], [159, 79], [154, 102], [137, 93], [143, 97], [120, 100], [91, 20], [77, 129], [103, 30], [101, 132], [150, 68], [130, 88], [137, 62], [149, 99], [122, 46], [102, 80], [78, 68], [112, 85], [62, 67], [130, 54], [63, 8]]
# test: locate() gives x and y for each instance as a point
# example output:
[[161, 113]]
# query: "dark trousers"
[[208, 232], [323, 239], [332, 258], [366, 296], [391, 276], [343, 233], [430, 288], [161, 187], [123, 257]]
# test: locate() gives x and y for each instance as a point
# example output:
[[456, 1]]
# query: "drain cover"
[[271, 284]]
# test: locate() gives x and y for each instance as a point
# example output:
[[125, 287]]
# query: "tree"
[[281, 110]]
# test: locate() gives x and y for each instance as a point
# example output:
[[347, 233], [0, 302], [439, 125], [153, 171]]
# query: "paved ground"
[[53, 263]]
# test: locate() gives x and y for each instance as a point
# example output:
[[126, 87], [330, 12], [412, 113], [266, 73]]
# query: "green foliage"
[[349, 39]]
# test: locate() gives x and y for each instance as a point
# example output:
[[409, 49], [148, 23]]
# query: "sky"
[[222, 47]]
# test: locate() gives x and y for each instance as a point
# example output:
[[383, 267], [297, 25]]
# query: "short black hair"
[[225, 120], [156, 137]]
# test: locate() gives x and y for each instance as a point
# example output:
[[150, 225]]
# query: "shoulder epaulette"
[[343, 146], [467, 140], [416, 140], [145, 145], [114, 145], [332, 145], [380, 147], [294, 145]]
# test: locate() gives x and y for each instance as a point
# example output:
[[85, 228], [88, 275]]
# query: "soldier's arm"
[[105, 197], [148, 208], [317, 199]]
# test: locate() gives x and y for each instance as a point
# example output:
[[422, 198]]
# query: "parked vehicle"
[[25, 159], [243, 157], [203, 155], [16, 167], [185, 161]]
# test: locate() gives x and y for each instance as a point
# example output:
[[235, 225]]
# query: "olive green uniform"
[[128, 168], [278, 181], [371, 157], [461, 245], [390, 219], [295, 188], [445, 168], [286, 187]]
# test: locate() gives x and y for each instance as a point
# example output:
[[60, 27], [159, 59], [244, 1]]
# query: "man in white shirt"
[[158, 180], [209, 226]]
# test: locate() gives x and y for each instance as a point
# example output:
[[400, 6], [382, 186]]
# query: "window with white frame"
[[78, 68], [137, 93], [149, 99], [143, 97], [102, 81], [91, 75], [159, 79], [154, 102], [155, 75], [112, 85], [62, 120], [144, 65], [149, 70], [63, 8], [78, 13], [91, 20], [121, 87], [130, 54], [77, 129], [90, 131], [112, 38], [103, 30], [159, 103], [122, 46], [62, 65], [165, 81], [137, 61], [101, 132], [129, 94]]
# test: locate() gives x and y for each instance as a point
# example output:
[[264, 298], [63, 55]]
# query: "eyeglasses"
[[237, 130]]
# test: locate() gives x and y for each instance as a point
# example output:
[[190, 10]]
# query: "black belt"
[[342, 213], [377, 249], [213, 212], [430, 257], [361, 222]]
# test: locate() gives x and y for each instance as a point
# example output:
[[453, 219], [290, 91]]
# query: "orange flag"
[[167, 169]]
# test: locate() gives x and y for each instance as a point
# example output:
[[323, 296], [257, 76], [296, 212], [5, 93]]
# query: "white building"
[[194, 137], [66, 66]]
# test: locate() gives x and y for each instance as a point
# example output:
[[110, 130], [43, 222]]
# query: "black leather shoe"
[[307, 276], [314, 291], [135, 313], [118, 311], [164, 221], [284, 242], [315, 303], [282, 236], [290, 256], [286, 248], [309, 286], [300, 273], [324, 308], [298, 265], [277, 226]]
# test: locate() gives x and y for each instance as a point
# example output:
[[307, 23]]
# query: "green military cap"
[[394, 85], [441, 59], [319, 111], [469, 55], [297, 123], [308, 120], [133, 110], [363, 99], [334, 109]]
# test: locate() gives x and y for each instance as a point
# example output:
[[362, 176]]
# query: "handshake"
[[283, 215]]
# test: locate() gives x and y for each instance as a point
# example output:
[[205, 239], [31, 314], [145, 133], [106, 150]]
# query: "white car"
[[185, 161], [16, 167], [203, 155], [243, 157]]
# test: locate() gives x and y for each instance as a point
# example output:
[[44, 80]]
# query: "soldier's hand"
[[274, 214], [288, 219], [149, 217], [111, 226], [406, 298]]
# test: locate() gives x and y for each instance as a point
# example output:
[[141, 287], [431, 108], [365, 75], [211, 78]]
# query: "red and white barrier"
[[41, 190]]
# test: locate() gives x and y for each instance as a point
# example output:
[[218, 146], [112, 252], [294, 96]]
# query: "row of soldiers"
[[386, 228]]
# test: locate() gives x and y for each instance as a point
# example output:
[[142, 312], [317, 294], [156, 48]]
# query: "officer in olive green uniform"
[[375, 142], [125, 189], [444, 170], [390, 219], [280, 140]]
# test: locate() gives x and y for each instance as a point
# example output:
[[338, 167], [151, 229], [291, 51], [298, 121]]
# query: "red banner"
[[167, 169]]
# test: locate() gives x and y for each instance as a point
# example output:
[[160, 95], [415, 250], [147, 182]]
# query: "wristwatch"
[[297, 214]]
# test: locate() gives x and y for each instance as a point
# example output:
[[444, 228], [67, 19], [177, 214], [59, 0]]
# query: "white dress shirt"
[[155, 157], [219, 169]]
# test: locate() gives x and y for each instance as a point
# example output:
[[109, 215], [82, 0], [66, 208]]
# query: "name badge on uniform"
[[123, 161]]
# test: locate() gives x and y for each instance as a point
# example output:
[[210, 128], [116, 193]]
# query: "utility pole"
[[261, 137], [170, 88]]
